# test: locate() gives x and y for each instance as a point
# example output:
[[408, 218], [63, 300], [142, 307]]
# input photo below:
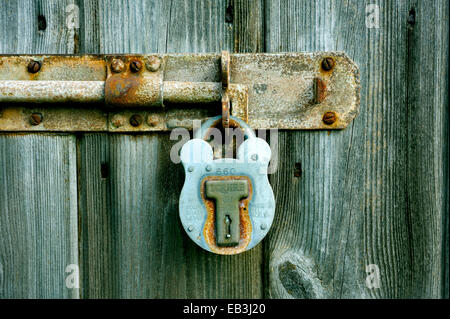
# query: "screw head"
[[135, 66], [208, 168], [254, 157], [190, 228], [117, 65], [329, 118], [153, 64], [327, 64], [190, 169], [34, 66], [135, 120], [36, 118], [152, 120], [263, 226], [117, 120]]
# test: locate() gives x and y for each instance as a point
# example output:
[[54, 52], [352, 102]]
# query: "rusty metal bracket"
[[137, 93]]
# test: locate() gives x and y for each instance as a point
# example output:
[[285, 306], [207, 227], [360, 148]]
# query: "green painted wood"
[[132, 242], [376, 192], [38, 187]]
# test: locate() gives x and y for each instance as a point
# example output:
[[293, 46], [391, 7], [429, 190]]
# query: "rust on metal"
[[328, 64], [153, 63], [132, 88], [321, 90], [152, 120], [35, 118], [267, 90], [52, 91], [34, 66], [225, 110], [191, 92], [329, 118], [209, 228], [220, 148], [118, 120], [225, 63], [117, 66], [135, 66], [135, 120]]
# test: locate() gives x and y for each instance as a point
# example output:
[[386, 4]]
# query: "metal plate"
[[282, 92]]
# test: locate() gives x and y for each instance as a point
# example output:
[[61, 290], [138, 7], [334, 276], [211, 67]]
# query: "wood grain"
[[132, 243], [38, 215], [38, 187], [375, 193]]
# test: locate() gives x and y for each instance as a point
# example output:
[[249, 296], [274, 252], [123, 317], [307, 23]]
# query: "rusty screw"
[[117, 120], [153, 64], [36, 118], [34, 66], [117, 66], [135, 120], [329, 118], [135, 66], [152, 120], [327, 64]]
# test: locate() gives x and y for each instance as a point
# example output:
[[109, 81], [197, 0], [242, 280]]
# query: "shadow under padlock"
[[226, 204]]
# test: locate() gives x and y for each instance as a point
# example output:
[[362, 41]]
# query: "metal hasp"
[[227, 194], [125, 93]]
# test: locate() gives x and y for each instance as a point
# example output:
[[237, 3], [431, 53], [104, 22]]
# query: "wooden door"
[[375, 193]]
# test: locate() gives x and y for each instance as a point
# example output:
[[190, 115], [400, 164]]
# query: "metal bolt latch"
[[267, 90]]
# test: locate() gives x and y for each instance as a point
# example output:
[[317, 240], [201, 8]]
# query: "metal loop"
[[203, 130], [225, 61], [225, 110]]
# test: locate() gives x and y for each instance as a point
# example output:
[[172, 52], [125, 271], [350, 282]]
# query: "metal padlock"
[[226, 205]]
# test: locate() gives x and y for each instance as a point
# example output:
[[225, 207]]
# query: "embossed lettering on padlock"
[[226, 205]]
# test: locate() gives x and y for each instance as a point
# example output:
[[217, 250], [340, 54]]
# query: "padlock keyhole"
[[228, 221]]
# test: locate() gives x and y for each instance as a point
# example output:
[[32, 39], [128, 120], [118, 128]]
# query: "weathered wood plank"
[[133, 245], [248, 25], [374, 193], [38, 188], [38, 215], [427, 145]]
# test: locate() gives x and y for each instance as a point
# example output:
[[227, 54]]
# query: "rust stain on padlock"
[[209, 230]]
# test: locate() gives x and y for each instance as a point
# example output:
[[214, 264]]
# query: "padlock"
[[226, 205]]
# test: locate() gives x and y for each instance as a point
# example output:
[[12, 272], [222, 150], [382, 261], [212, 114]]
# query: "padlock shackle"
[[209, 123]]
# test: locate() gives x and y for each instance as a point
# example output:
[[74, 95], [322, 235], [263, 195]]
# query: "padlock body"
[[198, 212]]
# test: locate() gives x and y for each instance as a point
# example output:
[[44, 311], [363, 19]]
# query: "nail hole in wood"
[[42, 23], [229, 14], [412, 17], [298, 170], [104, 170]]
